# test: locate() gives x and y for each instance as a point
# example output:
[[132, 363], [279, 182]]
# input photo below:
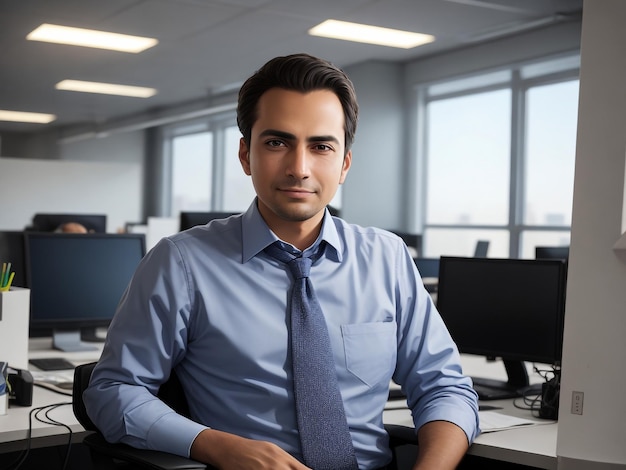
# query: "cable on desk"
[[19, 461], [544, 404]]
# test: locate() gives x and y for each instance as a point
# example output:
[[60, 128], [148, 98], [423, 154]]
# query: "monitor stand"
[[91, 335], [69, 341], [517, 382]]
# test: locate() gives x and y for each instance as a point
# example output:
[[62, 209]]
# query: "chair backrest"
[[171, 392], [82, 374]]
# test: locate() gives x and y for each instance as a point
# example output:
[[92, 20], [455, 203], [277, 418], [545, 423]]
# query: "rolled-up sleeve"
[[428, 366]]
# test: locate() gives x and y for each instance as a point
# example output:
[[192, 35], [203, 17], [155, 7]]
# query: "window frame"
[[215, 124], [566, 67]]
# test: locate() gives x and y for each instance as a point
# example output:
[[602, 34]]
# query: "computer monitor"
[[77, 280], [552, 252], [428, 267], [511, 309], [481, 249], [429, 271], [12, 251], [191, 219], [50, 222]]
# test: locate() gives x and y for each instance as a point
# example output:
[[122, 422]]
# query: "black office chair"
[[106, 456]]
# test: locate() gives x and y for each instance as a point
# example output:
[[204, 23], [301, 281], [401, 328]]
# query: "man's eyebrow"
[[289, 136], [323, 138], [277, 133]]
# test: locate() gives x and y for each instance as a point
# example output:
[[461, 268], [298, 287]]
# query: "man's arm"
[[146, 337], [442, 446], [228, 451], [443, 403]]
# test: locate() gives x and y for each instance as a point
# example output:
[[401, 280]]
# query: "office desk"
[[532, 445], [14, 425]]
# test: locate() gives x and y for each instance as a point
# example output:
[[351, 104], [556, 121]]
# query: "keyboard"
[[491, 393], [52, 363]]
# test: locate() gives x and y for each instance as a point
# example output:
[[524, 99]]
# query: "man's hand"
[[230, 452]]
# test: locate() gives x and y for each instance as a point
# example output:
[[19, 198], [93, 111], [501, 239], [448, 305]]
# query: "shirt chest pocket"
[[370, 350]]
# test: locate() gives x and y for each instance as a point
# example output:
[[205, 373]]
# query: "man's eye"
[[274, 143], [323, 147]]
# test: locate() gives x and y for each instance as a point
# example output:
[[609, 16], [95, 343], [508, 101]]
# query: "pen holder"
[[14, 322]]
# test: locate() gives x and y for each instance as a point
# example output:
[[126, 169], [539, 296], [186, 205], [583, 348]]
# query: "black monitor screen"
[[504, 308], [509, 308], [77, 280], [12, 251], [552, 252], [191, 219], [51, 222]]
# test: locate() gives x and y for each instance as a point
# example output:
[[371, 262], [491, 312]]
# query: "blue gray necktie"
[[323, 428]]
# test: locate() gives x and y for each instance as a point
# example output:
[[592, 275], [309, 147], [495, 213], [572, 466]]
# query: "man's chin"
[[297, 213]]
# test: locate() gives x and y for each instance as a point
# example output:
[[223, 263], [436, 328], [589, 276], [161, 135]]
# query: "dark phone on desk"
[[21, 383]]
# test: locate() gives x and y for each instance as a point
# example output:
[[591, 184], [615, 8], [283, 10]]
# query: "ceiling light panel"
[[105, 88], [19, 116], [370, 34], [90, 38]]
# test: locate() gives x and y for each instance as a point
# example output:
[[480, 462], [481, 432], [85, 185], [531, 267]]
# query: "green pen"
[[6, 275]]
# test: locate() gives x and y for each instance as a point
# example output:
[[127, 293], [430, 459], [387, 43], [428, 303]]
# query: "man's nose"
[[298, 162]]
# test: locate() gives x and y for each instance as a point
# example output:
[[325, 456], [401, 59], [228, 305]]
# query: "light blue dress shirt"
[[209, 303]]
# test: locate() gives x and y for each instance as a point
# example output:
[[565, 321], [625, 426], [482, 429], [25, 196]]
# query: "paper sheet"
[[493, 421]]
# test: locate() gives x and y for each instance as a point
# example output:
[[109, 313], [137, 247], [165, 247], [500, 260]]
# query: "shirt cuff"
[[173, 433], [454, 413]]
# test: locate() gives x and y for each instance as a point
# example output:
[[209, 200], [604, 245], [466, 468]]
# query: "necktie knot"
[[300, 267]]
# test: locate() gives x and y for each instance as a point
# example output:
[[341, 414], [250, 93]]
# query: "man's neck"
[[301, 234]]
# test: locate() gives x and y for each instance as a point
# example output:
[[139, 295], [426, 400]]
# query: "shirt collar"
[[256, 235]]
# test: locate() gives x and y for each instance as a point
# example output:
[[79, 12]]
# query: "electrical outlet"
[[577, 402]]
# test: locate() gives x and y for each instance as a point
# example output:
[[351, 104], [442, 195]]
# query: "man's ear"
[[347, 162], [244, 156]]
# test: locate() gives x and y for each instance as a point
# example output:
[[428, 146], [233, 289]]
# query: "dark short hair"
[[298, 72]]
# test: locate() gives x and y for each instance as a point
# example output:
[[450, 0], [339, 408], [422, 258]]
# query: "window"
[[192, 166], [498, 159], [205, 173], [238, 188]]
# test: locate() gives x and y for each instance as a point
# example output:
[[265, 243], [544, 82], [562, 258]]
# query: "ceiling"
[[207, 46]]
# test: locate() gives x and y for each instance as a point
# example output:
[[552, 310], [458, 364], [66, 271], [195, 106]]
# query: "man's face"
[[296, 155]]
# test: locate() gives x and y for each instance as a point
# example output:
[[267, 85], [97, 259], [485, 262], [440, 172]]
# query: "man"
[[211, 303]]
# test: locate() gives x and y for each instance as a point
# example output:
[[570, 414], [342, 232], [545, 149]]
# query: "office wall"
[[38, 144], [32, 185], [123, 147], [595, 320], [559, 38], [372, 193]]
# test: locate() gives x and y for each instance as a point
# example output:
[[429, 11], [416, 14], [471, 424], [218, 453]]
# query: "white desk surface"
[[14, 425], [528, 445], [533, 445]]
